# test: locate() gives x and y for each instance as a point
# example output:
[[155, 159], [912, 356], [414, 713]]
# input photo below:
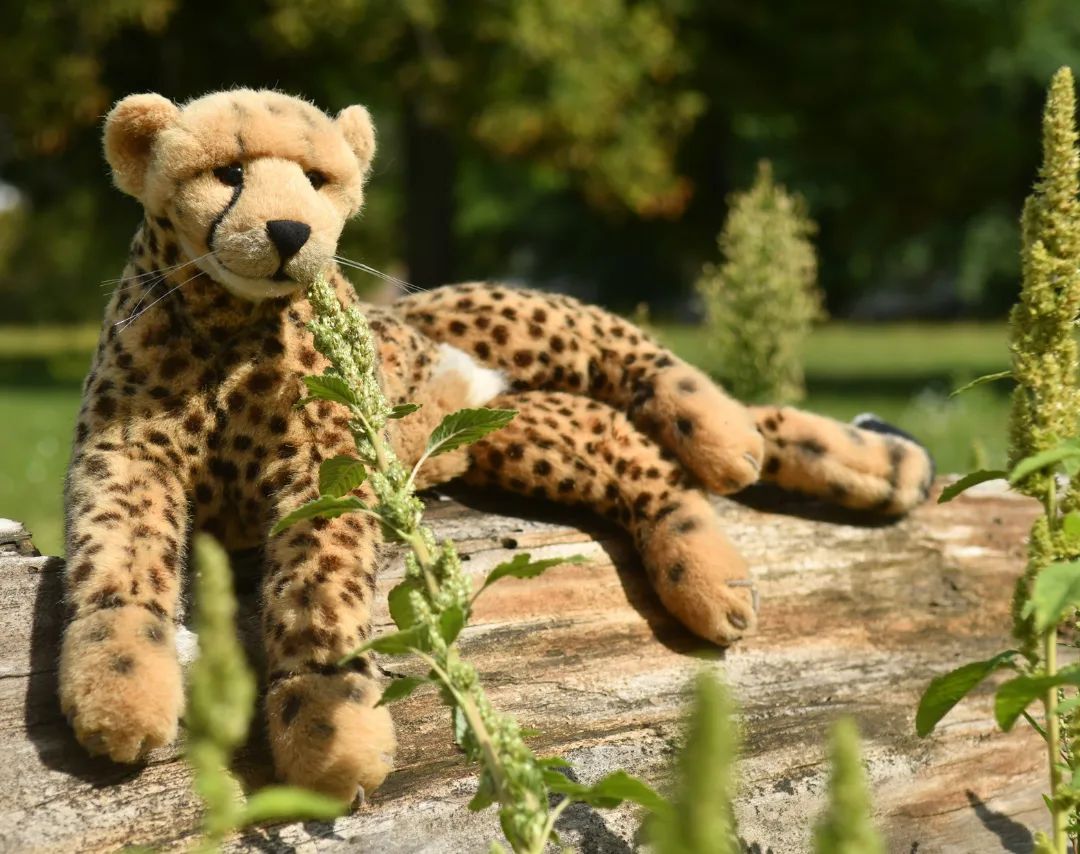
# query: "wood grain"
[[855, 619]]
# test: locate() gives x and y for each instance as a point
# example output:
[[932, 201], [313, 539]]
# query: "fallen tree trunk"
[[855, 620]]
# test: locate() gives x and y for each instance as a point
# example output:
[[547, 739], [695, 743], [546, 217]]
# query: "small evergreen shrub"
[[762, 299]]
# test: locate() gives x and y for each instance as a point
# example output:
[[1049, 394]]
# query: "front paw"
[[699, 575], [328, 735], [120, 683]]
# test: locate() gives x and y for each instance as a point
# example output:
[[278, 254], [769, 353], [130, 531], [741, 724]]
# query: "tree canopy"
[[588, 147]]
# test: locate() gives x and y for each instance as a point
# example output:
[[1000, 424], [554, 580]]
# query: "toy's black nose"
[[288, 236]]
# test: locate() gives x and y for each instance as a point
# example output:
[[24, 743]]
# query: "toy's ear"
[[130, 130], [355, 123]]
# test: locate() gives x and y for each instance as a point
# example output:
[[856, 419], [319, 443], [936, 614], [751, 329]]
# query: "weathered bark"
[[855, 619]]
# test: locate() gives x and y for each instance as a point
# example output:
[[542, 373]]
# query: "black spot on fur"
[[290, 708]]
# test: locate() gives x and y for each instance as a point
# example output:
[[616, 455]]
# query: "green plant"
[[1043, 443], [763, 299], [699, 818], [432, 605], [220, 703], [845, 827]]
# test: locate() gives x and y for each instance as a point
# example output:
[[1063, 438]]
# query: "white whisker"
[[408, 287], [136, 314], [156, 274]]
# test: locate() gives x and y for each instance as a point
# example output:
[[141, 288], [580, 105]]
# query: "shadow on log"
[[855, 619]]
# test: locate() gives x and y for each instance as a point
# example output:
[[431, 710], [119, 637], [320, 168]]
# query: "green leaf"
[[451, 622], [1014, 696], [395, 643], [1070, 524], [608, 792], [485, 793], [986, 378], [461, 726], [326, 506], [403, 409], [552, 762], [623, 787], [1056, 588], [399, 601], [521, 566], [1044, 459], [329, 387], [340, 475], [967, 481], [947, 690], [465, 427], [401, 688], [278, 803], [1068, 706]]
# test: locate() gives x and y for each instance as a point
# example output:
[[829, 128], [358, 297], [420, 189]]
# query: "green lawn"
[[901, 372]]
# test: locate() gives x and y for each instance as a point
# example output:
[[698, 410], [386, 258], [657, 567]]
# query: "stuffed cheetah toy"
[[188, 423]]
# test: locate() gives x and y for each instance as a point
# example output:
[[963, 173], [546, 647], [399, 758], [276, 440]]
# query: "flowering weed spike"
[[1043, 439], [701, 820], [433, 603], [220, 704], [221, 693], [1046, 408], [1046, 401], [846, 826]]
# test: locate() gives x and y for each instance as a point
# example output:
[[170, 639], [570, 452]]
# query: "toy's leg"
[[325, 731], [871, 466], [119, 679], [557, 343], [570, 449]]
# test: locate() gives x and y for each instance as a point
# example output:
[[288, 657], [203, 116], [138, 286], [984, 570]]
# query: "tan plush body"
[[188, 423]]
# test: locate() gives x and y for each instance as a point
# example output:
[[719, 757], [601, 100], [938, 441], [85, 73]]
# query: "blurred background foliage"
[[583, 147], [589, 146]]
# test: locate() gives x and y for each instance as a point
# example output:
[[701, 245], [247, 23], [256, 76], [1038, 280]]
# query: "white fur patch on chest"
[[482, 383]]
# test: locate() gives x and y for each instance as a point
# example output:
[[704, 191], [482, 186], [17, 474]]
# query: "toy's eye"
[[317, 179], [231, 175]]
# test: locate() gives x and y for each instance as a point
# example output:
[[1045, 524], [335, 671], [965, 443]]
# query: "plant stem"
[[1053, 749], [549, 827], [1058, 816], [479, 728]]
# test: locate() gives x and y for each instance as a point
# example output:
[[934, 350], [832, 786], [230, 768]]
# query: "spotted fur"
[[189, 423]]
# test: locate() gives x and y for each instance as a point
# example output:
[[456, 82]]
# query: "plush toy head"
[[257, 184]]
